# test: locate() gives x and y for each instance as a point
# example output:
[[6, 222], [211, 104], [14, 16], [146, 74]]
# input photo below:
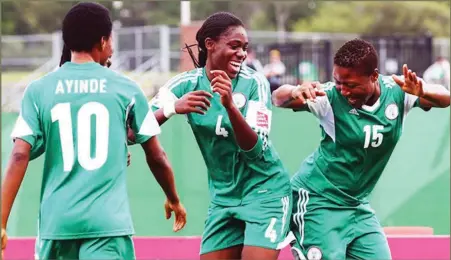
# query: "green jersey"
[[234, 176], [356, 143], [78, 115]]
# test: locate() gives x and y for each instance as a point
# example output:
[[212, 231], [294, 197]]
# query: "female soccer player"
[[361, 115], [228, 107], [77, 114]]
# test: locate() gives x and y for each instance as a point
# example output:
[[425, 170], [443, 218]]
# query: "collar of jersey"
[[86, 65], [207, 81]]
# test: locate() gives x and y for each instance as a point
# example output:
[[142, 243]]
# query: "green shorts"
[[263, 223], [92, 248], [325, 230]]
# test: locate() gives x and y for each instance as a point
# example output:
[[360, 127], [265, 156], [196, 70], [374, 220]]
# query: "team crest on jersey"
[[392, 111], [314, 253], [239, 99]]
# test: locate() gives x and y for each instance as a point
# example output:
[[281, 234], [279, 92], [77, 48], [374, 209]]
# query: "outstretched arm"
[[430, 95]]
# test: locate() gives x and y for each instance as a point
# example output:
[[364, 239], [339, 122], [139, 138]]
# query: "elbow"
[[20, 157]]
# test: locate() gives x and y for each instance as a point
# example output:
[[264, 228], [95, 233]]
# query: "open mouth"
[[235, 66]]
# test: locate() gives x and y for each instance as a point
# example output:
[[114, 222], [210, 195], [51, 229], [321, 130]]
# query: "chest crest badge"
[[239, 99], [392, 111]]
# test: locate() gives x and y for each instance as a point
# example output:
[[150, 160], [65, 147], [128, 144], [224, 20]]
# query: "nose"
[[345, 92], [241, 53]]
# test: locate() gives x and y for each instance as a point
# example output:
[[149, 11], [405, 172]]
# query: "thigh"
[[319, 227], [267, 223], [370, 241], [233, 252], [372, 245], [57, 249], [120, 247], [221, 231]]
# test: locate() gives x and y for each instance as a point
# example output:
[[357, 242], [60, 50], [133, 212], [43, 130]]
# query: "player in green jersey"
[[361, 115], [77, 115], [228, 107]]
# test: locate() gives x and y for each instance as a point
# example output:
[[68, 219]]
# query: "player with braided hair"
[[77, 114], [228, 107], [361, 115]]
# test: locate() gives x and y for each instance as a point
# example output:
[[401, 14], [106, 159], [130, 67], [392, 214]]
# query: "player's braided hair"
[[359, 55], [214, 26], [84, 26], [65, 55]]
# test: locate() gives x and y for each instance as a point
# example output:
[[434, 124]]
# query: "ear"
[[375, 75], [102, 45], [209, 43]]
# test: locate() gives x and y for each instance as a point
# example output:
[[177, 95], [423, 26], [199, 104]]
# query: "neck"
[[375, 96], [209, 68], [82, 57]]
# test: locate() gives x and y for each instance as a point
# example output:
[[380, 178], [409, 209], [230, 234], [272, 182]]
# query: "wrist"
[[169, 109], [173, 199], [230, 107]]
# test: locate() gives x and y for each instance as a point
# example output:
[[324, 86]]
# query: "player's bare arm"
[[245, 137], [192, 102], [14, 174], [295, 97], [161, 168], [431, 95]]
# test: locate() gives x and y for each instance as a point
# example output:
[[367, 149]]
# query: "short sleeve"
[[322, 105], [142, 120], [28, 126]]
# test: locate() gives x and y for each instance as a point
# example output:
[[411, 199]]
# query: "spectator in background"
[[274, 70], [308, 72], [252, 61], [438, 72]]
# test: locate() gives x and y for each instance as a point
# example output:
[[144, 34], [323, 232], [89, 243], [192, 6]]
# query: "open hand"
[[411, 83], [180, 214]]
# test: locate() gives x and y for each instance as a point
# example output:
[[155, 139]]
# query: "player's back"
[[82, 111]]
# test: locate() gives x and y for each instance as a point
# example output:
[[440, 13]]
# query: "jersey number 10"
[[61, 112], [372, 133]]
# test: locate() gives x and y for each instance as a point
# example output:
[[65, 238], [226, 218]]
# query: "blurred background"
[[292, 42]]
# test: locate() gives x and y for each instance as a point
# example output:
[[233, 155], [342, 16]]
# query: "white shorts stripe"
[[298, 217]]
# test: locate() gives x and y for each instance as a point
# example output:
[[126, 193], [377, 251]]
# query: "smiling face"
[[355, 87], [228, 51]]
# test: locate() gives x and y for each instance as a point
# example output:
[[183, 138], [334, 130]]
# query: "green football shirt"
[[356, 143], [77, 115], [234, 176]]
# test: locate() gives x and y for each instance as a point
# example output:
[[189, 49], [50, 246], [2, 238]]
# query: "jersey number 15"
[[62, 113], [373, 135]]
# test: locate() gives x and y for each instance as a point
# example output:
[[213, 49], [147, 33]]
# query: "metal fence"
[[150, 53]]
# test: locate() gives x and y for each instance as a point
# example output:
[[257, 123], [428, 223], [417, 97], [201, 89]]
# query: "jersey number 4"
[[62, 113], [373, 136], [221, 130]]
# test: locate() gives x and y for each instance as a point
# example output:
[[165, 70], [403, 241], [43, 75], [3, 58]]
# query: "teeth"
[[236, 64]]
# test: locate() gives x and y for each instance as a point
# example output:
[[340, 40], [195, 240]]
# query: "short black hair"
[[214, 26], [359, 55], [84, 26]]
